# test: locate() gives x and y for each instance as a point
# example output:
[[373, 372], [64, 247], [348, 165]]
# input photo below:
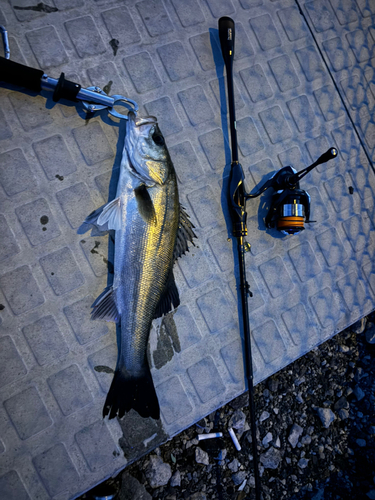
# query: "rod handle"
[[21, 75], [227, 35]]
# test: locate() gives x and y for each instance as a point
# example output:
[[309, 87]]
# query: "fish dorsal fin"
[[105, 306], [170, 298], [111, 215], [145, 205], [185, 233]]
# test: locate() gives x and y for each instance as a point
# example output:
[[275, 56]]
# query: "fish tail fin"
[[129, 391]]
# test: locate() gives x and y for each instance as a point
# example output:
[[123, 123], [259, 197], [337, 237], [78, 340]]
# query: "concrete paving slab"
[[302, 83]]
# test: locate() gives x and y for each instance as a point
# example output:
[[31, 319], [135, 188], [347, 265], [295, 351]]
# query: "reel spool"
[[290, 205], [291, 216]]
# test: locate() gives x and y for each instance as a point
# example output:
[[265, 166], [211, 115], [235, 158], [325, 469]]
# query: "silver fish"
[[151, 231]]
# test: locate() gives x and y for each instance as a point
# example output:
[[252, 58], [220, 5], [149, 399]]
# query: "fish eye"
[[158, 139]]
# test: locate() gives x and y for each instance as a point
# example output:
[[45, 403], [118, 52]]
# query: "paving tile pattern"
[[302, 84]]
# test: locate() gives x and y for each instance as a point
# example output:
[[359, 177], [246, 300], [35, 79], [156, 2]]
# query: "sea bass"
[[151, 231]]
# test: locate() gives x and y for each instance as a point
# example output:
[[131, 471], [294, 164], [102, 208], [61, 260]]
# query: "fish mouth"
[[141, 120], [135, 136]]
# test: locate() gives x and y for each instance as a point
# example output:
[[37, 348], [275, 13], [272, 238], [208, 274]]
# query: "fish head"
[[148, 155]]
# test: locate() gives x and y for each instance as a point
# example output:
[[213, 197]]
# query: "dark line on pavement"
[[336, 86]]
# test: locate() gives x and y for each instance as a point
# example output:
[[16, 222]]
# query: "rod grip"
[[19, 74], [227, 35]]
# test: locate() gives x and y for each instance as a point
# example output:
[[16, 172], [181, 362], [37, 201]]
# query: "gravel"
[[315, 436]]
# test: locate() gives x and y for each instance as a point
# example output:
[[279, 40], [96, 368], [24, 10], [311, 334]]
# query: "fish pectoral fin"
[[170, 298], [92, 220], [185, 233], [110, 216], [105, 306], [145, 206]]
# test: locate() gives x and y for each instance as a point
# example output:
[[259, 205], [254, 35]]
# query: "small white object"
[[211, 435], [234, 439], [146, 441], [242, 485]]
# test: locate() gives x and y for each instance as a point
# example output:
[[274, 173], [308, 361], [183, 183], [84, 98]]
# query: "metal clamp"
[[113, 101]]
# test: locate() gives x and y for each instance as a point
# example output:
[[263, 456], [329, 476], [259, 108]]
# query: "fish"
[[152, 230]]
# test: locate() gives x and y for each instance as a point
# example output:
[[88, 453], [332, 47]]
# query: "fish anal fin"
[[145, 206], [110, 216], [170, 298], [105, 306], [185, 234]]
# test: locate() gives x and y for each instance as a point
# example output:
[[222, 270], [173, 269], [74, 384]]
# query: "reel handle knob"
[[328, 155]]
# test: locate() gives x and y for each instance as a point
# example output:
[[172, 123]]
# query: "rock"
[[299, 397], [341, 403], [303, 463], [157, 472], [197, 496], [299, 381], [201, 456], [359, 394], [343, 414], [273, 384], [371, 494], [359, 326], [176, 479], [239, 477], [234, 465], [267, 439], [371, 431], [359, 373], [132, 489], [251, 482], [237, 420], [326, 416], [257, 434], [270, 459], [240, 402], [295, 433], [264, 416], [361, 442], [306, 440], [344, 348]]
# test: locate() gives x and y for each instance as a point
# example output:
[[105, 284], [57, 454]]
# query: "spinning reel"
[[290, 205]]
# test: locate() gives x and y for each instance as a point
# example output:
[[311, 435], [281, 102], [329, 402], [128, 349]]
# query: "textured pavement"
[[301, 87]]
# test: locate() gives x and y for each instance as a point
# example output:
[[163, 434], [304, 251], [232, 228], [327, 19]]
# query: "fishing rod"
[[237, 201], [92, 98]]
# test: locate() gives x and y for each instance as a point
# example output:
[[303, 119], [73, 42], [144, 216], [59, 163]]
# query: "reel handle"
[[328, 155]]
